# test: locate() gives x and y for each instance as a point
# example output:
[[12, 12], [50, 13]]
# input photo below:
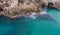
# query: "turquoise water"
[[27, 26]]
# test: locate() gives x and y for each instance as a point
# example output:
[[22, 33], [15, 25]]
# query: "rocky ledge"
[[15, 8]]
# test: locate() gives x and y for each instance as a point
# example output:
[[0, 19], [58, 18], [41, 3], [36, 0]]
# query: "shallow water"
[[27, 26]]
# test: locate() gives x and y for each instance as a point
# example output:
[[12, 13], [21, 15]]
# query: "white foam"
[[43, 12], [33, 16]]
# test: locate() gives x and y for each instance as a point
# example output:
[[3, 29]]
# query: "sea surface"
[[42, 25]]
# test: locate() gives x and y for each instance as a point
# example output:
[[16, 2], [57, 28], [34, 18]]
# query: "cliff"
[[14, 8]]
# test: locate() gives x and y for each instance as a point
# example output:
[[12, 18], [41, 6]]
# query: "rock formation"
[[14, 8], [56, 3]]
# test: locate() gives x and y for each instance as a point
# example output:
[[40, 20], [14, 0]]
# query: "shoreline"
[[12, 9], [29, 15]]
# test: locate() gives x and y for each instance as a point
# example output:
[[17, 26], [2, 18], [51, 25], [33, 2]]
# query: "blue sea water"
[[27, 26]]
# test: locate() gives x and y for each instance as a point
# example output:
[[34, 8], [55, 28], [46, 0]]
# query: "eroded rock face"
[[56, 3], [50, 4], [14, 8]]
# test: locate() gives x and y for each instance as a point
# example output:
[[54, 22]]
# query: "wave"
[[35, 15], [41, 15]]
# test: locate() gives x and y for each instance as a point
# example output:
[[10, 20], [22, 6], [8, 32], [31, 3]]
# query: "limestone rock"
[[14, 9]]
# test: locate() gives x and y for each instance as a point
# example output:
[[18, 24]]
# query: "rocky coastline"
[[17, 8]]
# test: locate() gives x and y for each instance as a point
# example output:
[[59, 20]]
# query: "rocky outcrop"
[[56, 3], [14, 8]]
